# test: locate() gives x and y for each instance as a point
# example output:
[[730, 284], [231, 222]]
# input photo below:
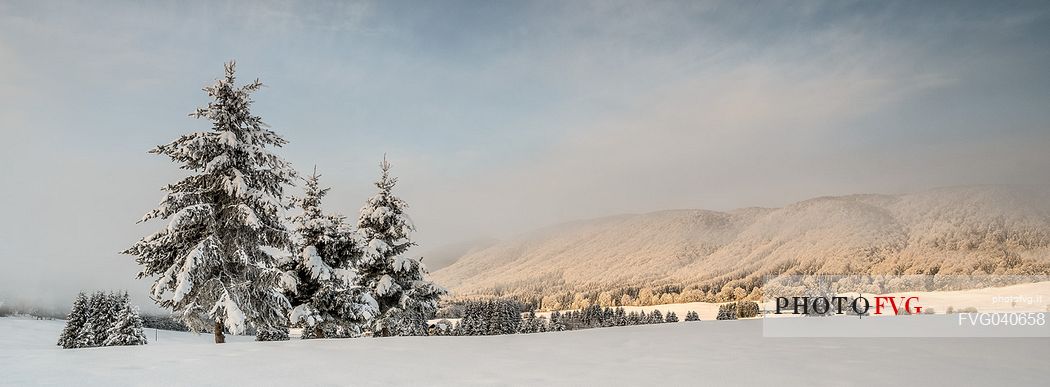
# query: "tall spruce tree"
[[320, 281], [74, 322], [406, 298], [211, 256], [100, 316]]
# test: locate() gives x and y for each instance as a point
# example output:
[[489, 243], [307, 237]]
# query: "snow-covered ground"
[[707, 352]]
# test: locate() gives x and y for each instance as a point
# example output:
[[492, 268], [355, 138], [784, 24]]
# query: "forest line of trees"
[[558, 297], [502, 317]]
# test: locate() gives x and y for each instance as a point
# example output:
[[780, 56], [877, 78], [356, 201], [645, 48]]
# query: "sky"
[[501, 117]]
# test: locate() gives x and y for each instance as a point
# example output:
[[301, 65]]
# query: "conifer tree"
[[473, 322], [530, 323], [320, 281], [557, 321], [74, 322], [671, 317], [621, 317], [85, 337], [656, 317], [126, 329], [406, 298], [727, 311], [541, 324], [99, 317], [209, 260]]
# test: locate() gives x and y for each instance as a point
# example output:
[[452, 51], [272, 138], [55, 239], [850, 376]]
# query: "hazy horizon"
[[503, 117]]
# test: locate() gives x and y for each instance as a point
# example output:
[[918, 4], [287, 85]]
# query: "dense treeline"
[[502, 316], [554, 295], [546, 296]]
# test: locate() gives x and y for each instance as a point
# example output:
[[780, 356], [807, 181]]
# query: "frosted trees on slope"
[[320, 281], [399, 284], [209, 260]]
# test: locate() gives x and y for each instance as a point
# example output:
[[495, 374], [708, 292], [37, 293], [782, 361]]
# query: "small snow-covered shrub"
[[271, 335], [442, 327]]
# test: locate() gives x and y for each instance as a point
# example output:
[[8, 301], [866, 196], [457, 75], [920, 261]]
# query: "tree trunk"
[[219, 337]]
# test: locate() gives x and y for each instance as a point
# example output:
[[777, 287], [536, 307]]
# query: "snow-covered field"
[[708, 352]]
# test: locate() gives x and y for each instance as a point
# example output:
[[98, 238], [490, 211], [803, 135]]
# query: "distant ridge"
[[700, 255]]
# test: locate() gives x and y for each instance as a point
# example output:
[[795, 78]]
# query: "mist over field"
[[505, 118]]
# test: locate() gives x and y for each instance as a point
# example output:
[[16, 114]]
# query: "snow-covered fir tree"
[[320, 280], [621, 317], [406, 298], [210, 260], [635, 318], [541, 324], [126, 329], [727, 311], [475, 319], [556, 323], [692, 316], [656, 317], [671, 317], [101, 314], [529, 323], [74, 322], [85, 337], [504, 317]]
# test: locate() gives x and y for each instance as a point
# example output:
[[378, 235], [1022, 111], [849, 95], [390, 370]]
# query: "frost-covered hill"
[[694, 255], [678, 354]]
